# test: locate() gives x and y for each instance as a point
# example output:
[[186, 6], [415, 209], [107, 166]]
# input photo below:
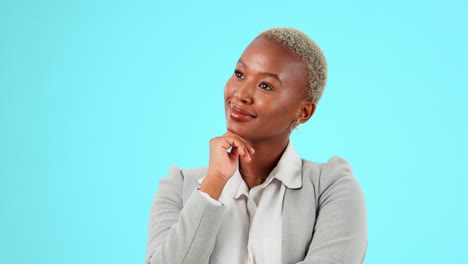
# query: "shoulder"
[[194, 174], [335, 172], [336, 169], [184, 180], [333, 162], [188, 174]]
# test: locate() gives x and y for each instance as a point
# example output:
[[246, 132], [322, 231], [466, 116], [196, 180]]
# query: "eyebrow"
[[264, 73]]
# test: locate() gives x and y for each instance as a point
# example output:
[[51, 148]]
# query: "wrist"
[[217, 177], [213, 185]]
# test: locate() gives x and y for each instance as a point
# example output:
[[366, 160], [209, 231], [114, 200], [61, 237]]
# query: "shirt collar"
[[289, 168], [288, 171]]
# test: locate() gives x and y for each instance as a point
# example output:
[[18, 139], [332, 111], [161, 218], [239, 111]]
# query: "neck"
[[266, 157]]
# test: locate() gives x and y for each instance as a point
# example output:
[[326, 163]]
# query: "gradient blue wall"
[[99, 98]]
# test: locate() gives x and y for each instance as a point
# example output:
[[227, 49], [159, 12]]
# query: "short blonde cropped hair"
[[306, 50]]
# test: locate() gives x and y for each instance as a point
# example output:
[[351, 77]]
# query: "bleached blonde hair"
[[307, 51]]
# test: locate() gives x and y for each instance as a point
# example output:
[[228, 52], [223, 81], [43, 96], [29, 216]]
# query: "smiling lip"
[[240, 114]]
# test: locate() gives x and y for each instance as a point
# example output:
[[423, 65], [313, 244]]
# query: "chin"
[[237, 129], [244, 132], [233, 128]]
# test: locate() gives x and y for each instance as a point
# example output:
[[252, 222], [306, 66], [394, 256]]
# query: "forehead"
[[265, 55]]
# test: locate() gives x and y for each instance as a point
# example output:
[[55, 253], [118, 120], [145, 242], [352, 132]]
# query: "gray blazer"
[[324, 220]]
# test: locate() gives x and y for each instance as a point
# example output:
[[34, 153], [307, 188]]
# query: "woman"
[[257, 201]]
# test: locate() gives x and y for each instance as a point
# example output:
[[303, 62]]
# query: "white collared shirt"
[[251, 230]]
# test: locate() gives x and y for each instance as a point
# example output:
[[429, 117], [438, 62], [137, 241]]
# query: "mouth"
[[239, 114]]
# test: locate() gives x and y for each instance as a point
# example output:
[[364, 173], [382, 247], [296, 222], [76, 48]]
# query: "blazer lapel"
[[298, 220], [291, 226]]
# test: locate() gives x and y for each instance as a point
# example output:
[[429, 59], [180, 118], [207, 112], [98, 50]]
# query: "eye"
[[266, 86], [239, 74]]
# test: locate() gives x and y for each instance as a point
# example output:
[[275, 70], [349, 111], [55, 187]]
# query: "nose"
[[244, 92]]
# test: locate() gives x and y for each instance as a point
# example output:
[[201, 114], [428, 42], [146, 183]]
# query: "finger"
[[227, 143], [236, 143], [234, 153], [243, 149], [251, 150], [247, 157], [249, 147]]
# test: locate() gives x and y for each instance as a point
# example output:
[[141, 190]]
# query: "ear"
[[306, 111]]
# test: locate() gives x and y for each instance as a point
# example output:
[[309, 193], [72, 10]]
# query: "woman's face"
[[266, 93]]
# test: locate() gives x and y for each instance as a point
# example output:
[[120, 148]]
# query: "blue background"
[[99, 98]]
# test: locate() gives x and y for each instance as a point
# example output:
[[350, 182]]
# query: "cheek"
[[228, 88], [281, 113], [273, 109]]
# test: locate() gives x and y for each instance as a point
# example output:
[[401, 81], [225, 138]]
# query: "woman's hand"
[[223, 163]]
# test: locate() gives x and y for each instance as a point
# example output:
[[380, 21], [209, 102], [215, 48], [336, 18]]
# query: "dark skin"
[[264, 96]]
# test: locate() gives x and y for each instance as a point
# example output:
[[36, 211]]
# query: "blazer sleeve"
[[178, 232], [340, 232]]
